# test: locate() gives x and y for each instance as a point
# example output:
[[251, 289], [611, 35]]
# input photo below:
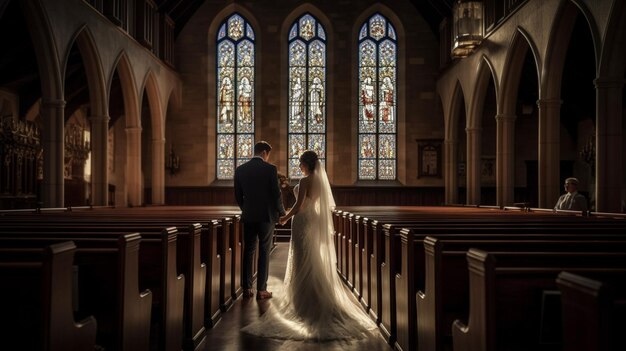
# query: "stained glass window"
[[235, 95], [307, 91], [378, 52]]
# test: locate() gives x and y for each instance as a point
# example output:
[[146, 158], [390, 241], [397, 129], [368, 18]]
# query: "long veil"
[[326, 205]]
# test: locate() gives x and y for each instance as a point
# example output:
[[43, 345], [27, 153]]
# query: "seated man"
[[572, 200]]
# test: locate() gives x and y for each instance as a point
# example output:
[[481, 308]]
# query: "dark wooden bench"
[[506, 290], [111, 295], [593, 307], [209, 242], [443, 295], [158, 272], [36, 301], [363, 245], [189, 242]]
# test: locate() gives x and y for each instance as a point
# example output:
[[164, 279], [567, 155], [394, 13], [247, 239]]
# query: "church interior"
[[447, 129]]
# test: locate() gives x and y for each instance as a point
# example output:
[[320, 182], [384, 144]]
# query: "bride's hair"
[[309, 158]]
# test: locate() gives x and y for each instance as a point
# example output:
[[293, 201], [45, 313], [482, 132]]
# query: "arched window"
[[307, 91], [235, 95], [378, 52]]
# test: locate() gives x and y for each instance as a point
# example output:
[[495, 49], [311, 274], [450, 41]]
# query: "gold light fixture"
[[467, 27]]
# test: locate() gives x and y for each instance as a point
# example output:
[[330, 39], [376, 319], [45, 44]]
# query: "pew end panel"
[[593, 310], [36, 300]]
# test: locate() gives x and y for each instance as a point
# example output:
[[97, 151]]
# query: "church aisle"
[[226, 335]]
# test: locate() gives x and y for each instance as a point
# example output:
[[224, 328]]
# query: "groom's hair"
[[262, 146]]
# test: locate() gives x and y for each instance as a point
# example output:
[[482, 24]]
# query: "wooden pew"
[[170, 334], [593, 310], [365, 240], [467, 228], [443, 297], [505, 295], [191, 266], [158, 217], [157, 264], [138, 217], [36, 301], [226, 268], [212, 256], [111, 295]]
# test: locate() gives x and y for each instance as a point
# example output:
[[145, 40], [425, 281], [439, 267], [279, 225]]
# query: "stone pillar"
[[451, 180], [158, 171], [53, 117], [133, 166], [549, 151], [99, 160], [609, 173], [474, 152], [505, 159]]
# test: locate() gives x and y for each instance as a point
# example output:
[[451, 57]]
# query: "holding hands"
[[284, 218]]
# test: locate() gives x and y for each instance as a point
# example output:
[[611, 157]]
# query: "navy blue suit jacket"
[[257, 192]]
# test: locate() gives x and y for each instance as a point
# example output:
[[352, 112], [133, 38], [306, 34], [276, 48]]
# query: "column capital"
[[473, 130], [133, 130], [47, 103], [608, 82], [450, 142], [159, 141]]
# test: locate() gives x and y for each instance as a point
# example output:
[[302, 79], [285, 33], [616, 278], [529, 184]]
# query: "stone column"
[[609, 173], [133, 166], [99, 160], [505, 159], [474, 152], [451, 180], [158, 171], [549, 151], [53, 117]]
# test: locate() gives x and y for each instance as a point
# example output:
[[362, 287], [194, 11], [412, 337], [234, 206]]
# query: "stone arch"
[[610, 120], [129, 88], [130, 192], [475, 129], [93, 69], [551, 104], [151, 88], [520, 44], [559, 41], [52, 103], [47, 56], [157, 138], [612, 55], [485, 72], [454, 109], [451, 144]]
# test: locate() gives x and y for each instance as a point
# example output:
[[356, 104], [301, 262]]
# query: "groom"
[[258, 196]]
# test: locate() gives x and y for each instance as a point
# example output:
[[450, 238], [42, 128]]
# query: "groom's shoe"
[[248, 293], [262, 295]]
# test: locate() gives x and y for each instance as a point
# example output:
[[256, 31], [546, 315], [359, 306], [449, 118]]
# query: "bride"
[[315, 305]]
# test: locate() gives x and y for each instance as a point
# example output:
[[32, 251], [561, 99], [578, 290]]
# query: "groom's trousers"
[[264, 232]]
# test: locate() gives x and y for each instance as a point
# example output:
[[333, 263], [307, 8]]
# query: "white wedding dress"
[[315, 305]]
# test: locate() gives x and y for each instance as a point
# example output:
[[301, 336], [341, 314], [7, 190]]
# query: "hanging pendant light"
[[467, 31]]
